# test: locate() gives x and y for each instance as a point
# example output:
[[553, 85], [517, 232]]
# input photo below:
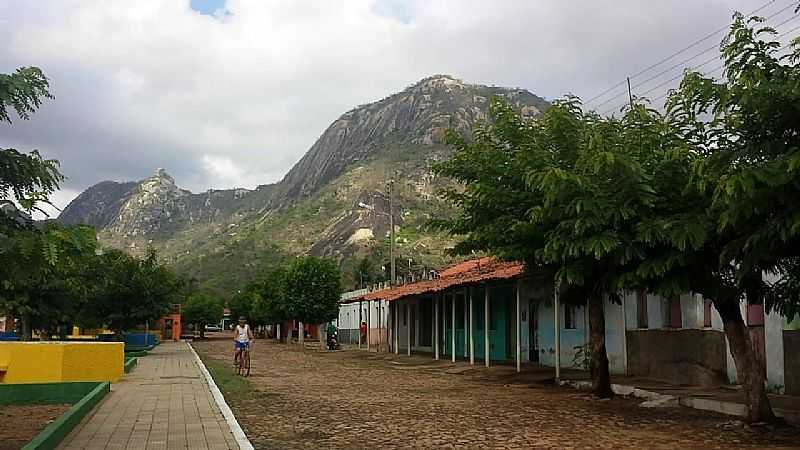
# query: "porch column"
[[518, 320], [436, 327], [408, 328], [453, 325], [360, 319], [301, 331], [466, 321], [395, 322], [557, 326], [278, 331], [471, 330], [486, 324], [369, 324], [380, 328]]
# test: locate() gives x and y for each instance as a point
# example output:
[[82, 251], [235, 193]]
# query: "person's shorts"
[[241, 345]]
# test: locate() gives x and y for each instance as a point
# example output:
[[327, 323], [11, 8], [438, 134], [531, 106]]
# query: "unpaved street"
[[350, 399]]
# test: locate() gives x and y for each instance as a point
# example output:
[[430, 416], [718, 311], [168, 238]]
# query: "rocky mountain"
[[333, 202], [417, 116]]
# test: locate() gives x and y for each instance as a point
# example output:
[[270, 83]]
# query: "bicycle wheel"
[[247, 363]]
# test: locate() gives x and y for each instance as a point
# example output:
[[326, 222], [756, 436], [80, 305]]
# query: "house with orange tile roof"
[[490, 311]]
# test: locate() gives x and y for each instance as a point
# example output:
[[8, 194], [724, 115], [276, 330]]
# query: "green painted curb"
[[130, 363], [44, 393], [54, 433]]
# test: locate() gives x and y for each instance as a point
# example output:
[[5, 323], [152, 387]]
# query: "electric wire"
[[685, 61], [684, 49]]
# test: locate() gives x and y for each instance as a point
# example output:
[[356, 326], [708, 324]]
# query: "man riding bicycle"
[[242, 336]]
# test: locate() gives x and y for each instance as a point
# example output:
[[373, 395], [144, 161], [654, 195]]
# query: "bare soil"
[[21, 423], [350, 399]]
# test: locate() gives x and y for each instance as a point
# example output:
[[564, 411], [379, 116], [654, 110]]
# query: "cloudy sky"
[[226, 93]]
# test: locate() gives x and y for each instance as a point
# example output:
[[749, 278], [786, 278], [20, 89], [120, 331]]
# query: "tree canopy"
[[201, 309], [312, 289], [700, 199]]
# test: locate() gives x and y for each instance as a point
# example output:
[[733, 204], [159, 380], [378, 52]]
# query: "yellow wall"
[[43, 362]]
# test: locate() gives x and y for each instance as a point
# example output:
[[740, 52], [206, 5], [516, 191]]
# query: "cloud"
[[235, 99]]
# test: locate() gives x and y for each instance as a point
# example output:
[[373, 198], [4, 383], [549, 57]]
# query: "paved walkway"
[[164, 403]]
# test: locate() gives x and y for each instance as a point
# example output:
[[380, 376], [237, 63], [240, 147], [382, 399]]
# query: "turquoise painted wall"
[[502, 300]]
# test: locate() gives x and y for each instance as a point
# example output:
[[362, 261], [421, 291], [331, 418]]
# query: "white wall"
[[773, 329]]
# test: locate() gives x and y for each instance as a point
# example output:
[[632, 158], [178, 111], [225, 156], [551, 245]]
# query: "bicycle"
[[242, 362]]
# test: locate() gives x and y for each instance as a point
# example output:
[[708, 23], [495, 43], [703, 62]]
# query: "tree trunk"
[[25, 325], [749, 370], [601, 378], [202, 331]]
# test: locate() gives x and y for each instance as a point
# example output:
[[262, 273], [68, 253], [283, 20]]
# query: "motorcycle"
[[333, 341]]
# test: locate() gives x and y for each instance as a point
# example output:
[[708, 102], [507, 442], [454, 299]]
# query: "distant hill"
[[224, 237]]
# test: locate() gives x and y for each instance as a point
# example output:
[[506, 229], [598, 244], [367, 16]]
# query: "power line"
[[682, 63], [722, 66], [694, 44]]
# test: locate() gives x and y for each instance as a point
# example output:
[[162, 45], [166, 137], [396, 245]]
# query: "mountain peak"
[[417, 117], [161, 174]]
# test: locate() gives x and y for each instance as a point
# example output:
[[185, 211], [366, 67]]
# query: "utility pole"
[[630, 93], [391, 234]]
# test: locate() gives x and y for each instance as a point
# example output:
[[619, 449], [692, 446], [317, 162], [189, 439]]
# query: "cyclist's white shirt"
[[243, 333]]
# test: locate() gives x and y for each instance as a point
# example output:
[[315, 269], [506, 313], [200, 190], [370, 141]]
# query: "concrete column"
[[396, 322], [486, 324], [557, 327], [466, 327], [278, 331], [369, 323], [471, 329], [518, 321], [380, 328], [453, 325], [300, 333], [360, 309], [436, 327], [408, 328]]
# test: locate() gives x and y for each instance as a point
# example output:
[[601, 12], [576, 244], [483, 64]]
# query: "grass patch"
[[233, 387]]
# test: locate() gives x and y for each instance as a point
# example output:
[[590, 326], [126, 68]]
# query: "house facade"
[[486, 311]]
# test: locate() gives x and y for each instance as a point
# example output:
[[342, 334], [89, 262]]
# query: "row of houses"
[[488, 312]]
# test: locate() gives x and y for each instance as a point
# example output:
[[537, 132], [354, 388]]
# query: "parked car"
[[213, 328]]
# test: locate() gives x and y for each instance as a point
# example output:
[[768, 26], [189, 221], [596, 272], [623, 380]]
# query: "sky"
[[231, 93]]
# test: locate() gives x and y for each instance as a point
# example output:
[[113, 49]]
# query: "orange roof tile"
[[467, 272]]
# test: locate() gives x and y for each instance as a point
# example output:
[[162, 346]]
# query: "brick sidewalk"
[[164, 403]]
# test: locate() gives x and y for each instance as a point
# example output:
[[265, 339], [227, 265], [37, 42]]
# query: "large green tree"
[[130, 291], [745, 139], [566, 193], [201, 309], [312, 287], [42, 275], [40, 265]]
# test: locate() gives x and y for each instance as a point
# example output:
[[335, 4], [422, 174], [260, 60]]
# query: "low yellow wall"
[[44, 362]]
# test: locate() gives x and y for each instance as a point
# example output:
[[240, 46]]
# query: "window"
[[569, 317], [641, 309], [706, 313]]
